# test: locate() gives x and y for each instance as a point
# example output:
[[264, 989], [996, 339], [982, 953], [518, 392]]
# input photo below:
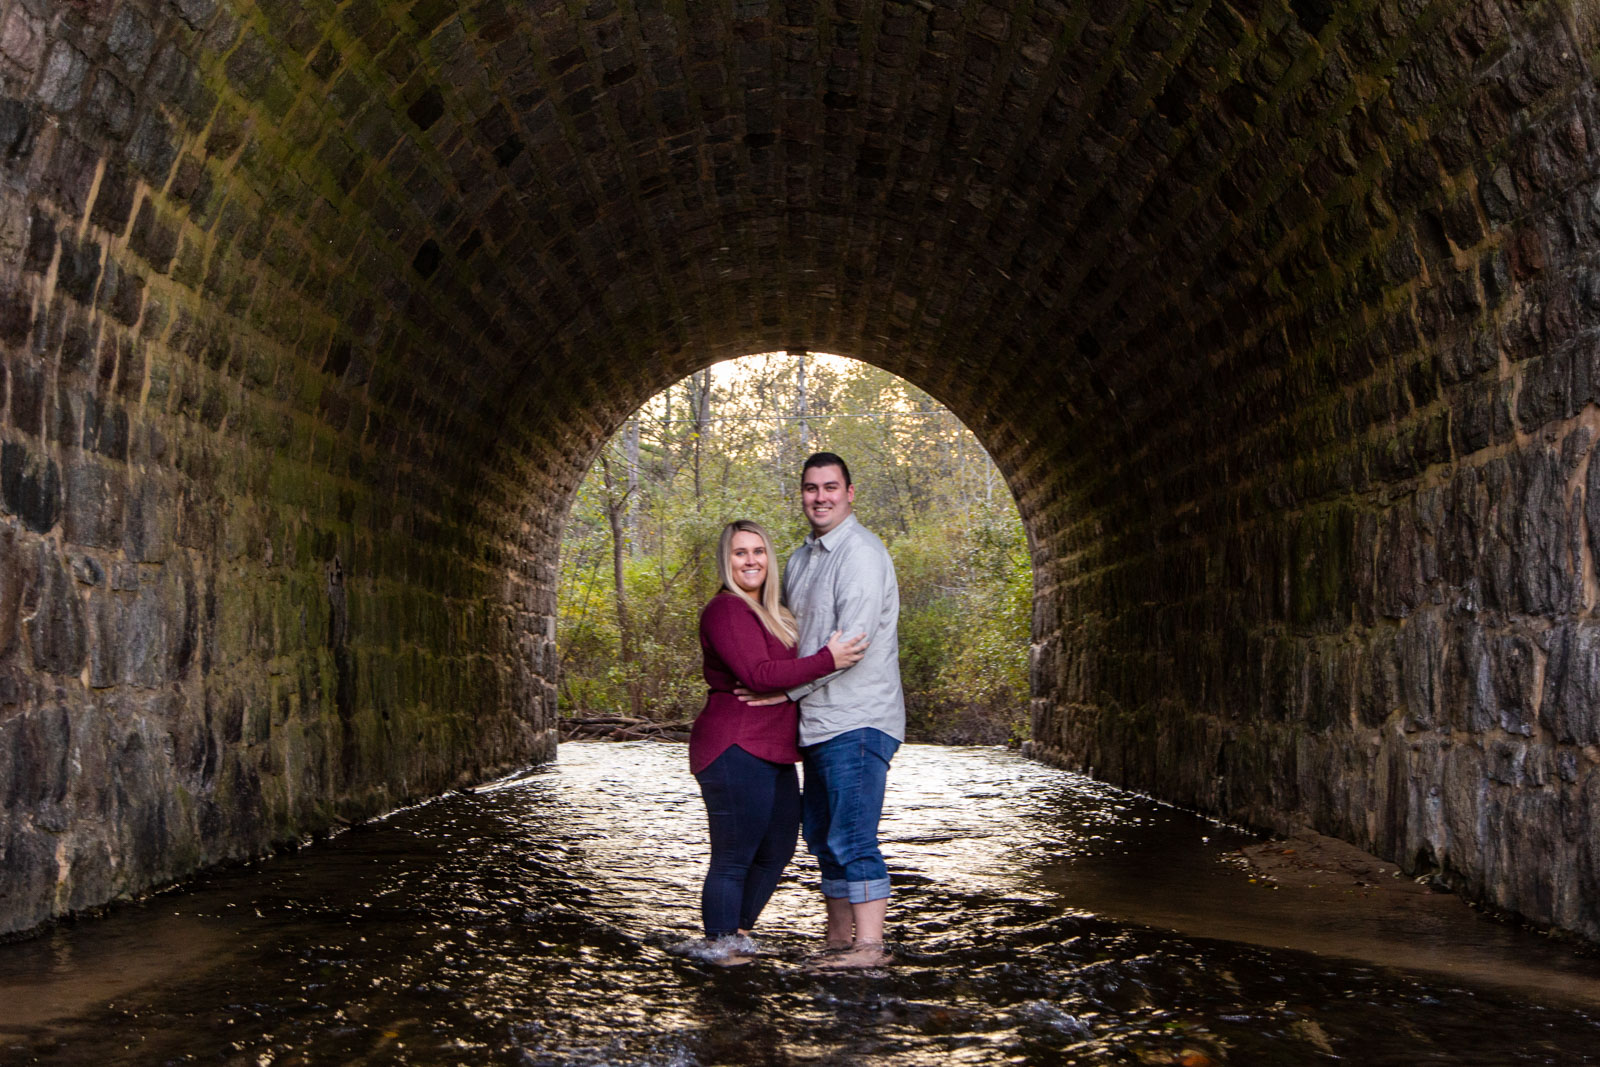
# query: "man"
[[851, 721]]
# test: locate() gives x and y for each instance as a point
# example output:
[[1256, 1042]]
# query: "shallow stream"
[[1039, 917]]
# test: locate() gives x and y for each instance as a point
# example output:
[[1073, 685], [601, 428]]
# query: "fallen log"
[[621, 728]]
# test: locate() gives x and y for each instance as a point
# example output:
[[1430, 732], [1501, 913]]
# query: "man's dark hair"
[[826, 459]]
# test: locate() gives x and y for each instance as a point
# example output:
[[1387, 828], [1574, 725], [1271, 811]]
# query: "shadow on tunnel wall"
[[1280, 319]]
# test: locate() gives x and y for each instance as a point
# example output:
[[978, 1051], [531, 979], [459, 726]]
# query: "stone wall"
[[1355, 588], [247, 591], [1277, 314]]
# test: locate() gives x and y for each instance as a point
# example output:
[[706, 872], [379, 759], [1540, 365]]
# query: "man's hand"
[[760, 700]]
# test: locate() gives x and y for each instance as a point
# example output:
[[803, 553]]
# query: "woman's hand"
[[760, 700], [846, 652]]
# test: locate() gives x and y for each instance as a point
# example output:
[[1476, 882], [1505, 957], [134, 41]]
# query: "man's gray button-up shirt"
[[844, 580]]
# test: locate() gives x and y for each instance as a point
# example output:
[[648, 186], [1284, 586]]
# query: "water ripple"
[[1039, 917]]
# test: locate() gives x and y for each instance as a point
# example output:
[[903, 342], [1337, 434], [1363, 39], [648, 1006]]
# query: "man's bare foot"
[[860, 955], [830, 948]]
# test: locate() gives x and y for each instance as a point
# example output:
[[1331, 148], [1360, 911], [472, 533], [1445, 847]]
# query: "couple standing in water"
[[813, 677]]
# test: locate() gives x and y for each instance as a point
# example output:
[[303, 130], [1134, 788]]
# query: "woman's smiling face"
[[749, 555]]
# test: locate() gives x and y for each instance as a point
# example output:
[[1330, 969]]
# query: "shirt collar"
[[830, 540]]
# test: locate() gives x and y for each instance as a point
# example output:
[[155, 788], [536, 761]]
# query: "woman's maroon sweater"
[[739, 651]]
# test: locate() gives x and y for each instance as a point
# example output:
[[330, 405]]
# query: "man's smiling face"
[[825, 498]]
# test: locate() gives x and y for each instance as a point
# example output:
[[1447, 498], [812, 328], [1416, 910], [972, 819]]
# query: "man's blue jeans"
[[842, 803]]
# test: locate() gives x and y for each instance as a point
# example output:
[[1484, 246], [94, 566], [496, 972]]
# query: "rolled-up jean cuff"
[[861, 892], [835, 888]]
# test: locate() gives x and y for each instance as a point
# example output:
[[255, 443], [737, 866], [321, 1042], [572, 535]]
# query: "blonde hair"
[[768, 606]]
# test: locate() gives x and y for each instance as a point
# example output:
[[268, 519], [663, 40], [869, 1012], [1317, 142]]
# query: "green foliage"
[[966, 602], [728, 444]]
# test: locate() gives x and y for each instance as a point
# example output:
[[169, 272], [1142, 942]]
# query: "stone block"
[[1400, 583], [1422, 655], [95, 495], [30, 487], [31, 872], [16, 316], [226, 134], [188, 269], [61, 84], [132, 40], [196, 13], [1494, 681], [250, 66], [1546, 389], [106, 430], [1570, 708], [97, 868], [121, 293], [147, 633], [1381, 689], [27, 398], [1543, 537], [113, 204], [1464, 781], [1476, 411], [154, 238], [1588, 808], [79, 343], [64, 416], [109, 109], [153, 148], [22, 38], [87, 569], [1591, 506], [79, 271], [426, 109], [1471, 698], [1516, 663], [107, 612], [1505, 762], [41, 250], [40, 747], [57, 630], [125, 577], [19, 126], [16, 563]]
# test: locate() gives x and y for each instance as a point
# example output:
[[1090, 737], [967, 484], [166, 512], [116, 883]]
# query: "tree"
[[727, 443]]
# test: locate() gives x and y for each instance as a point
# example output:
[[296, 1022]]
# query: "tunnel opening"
[[638, 547], [1279, 319]]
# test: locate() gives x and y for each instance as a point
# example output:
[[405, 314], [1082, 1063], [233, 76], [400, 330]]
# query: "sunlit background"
[[638, 558]]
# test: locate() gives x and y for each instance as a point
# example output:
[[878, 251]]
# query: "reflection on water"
[[1039, 918]]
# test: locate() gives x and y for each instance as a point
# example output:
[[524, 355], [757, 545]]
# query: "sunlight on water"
[[1039, 917]]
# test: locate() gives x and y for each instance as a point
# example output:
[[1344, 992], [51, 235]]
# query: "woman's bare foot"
[[860, 955], [729, 950]]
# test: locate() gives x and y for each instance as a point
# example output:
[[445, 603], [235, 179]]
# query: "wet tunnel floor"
[[1039, 917]]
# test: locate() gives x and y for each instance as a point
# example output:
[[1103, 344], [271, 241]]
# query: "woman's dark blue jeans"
[[754, 810]]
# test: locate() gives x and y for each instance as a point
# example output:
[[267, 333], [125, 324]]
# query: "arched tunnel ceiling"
[[961, 193], [1063, 219]]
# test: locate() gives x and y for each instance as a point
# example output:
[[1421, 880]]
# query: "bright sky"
[[728, 370], [727, 374]]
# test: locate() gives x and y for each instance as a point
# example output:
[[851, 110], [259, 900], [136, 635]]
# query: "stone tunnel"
[[1280, 319]]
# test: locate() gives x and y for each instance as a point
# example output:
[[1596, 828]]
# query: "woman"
[[743, 756]]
